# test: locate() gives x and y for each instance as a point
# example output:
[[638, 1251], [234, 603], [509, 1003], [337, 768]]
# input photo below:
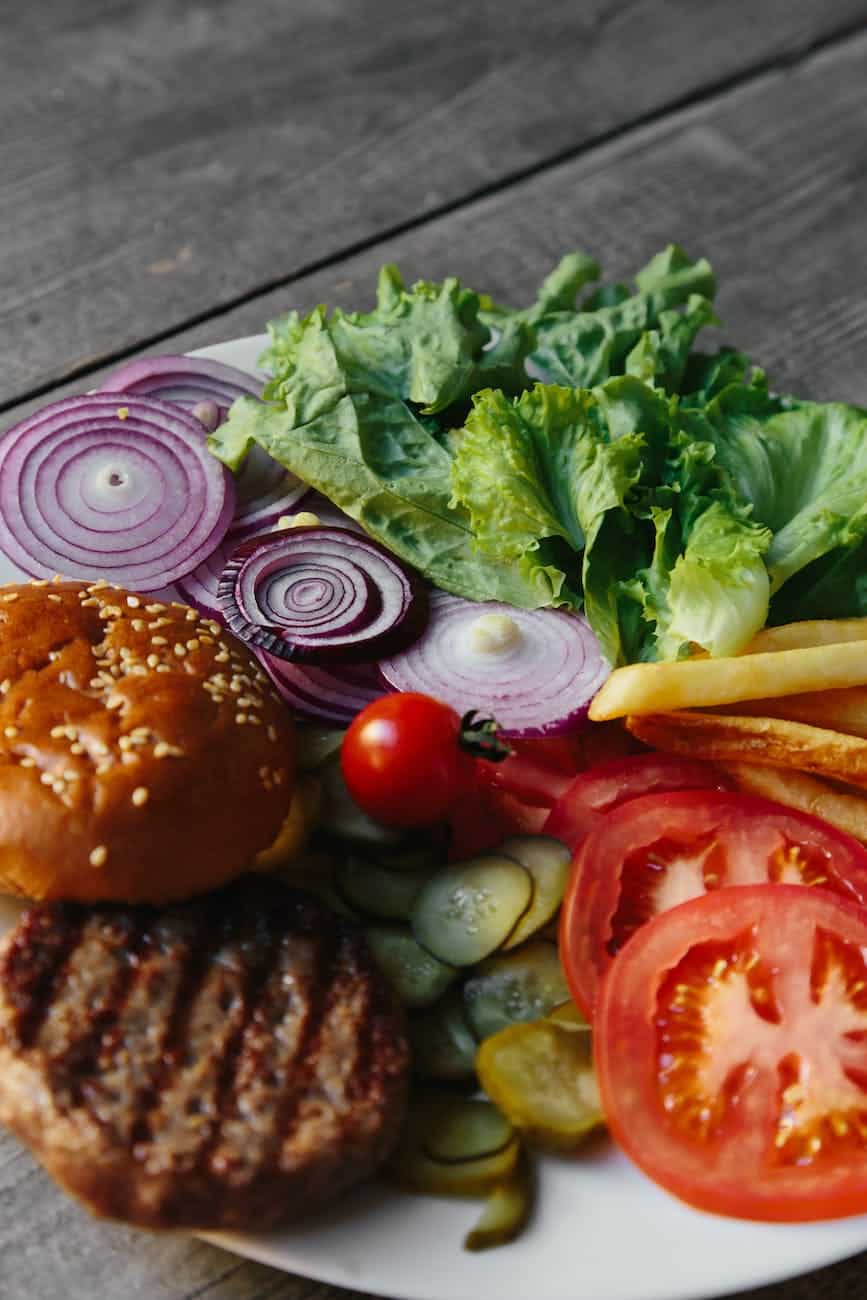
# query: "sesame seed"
[[57, 578], [122, 413], [214, 627], [192, 615], [58, 786], [140, 795], [55, 598], [164, 668], [254, 720], [240, 718], [158, 640], [76, 748], [91, 600], [244, 702], [56, 732], [278, 776], [70, 775], [133, 602], [112, 611], [126, 653], [10, 732], [141, 731], [95, 683], [180, 650], [46, 778], [162, 749], [100, 748], [27, 761], [152, 661], [154, 609], [99, 585], [99, 856], [125, 742], [114, 702], [221, 657], [10, 596], [205, 639], [5, 685], [138, 625], [38, 582], [102, 768], [272, 732], [193, 643], [138, 670]]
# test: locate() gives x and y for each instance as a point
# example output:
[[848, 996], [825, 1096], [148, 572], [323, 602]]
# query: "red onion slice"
[[264, 489], [186, 380], [333, 694], [535, 671], [92, 486], [319, 593]]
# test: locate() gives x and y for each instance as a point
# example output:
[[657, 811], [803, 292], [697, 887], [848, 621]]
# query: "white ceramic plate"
[[601, 1230]]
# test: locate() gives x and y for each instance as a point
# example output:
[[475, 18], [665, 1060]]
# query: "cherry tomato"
[[652, 853], [731, 1052], [583, 803], [403, 762]]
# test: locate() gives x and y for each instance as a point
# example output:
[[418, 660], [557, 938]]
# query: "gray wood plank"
[[159, 160], [770, 181]]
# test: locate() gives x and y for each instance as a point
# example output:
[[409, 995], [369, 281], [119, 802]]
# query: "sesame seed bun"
[[144, 755]]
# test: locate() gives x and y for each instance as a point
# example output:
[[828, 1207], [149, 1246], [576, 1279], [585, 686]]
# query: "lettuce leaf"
[[382, 465]]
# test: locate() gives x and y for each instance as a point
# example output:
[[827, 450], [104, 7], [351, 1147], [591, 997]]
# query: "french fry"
[[773, 742], [809, 794], [811, 632], [844, 710], [703, 683]]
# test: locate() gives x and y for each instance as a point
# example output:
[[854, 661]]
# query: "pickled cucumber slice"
[[548, 862], [524, 984], [507, 1209], [541, 1076], [342, 816], [467, 1129], [373, 889], [413, 1168], [443, 1045], [417, 976], [569, 1016], [315, 745], [469, 909]]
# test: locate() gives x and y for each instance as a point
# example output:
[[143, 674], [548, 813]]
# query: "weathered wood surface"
[[159, 160], [767, 177]]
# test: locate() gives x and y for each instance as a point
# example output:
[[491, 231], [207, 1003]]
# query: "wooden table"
[[175, 174]]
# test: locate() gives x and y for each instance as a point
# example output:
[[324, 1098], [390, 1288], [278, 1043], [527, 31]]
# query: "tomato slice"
[[731, 1052], [606, 785], [538, 772], [652, 853]]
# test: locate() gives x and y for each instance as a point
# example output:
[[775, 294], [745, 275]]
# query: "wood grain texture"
[[162, 159]]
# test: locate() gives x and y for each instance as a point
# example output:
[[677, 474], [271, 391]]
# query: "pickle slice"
[[443, 1045], [371, 888], [343, 818], [315, 745], [467, 910], [467, 1129], [507, 1209], [548, 862], [418, 977], [524, 984], [413, 1168], [569, 1016], [541, 1076]]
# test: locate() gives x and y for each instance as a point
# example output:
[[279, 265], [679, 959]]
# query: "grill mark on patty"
[[97, 976], [273, 1044], [34, 965]]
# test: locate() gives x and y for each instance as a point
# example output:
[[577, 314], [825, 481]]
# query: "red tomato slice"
[[652, 853], [538, 772], [731, 1052], [608, 784], [478, 822]]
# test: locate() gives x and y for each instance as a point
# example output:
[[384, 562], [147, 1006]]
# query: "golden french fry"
[[844, 710], [703, 683], [810, 794], [773, 742], [811, 632]]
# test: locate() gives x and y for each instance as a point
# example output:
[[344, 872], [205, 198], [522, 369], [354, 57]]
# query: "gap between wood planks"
[[680, 106]]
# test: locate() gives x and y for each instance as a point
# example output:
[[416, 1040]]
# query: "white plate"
[[601, 1230]]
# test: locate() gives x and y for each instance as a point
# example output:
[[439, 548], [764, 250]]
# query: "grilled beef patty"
[[228, 1062]]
